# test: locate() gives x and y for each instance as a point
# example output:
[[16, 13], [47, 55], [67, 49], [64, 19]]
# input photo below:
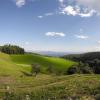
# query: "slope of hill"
[[7, 67], [16, 64], [44, 87], [43, 61]]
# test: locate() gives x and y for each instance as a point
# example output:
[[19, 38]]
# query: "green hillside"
[[44, 62], [43, 86], [16, 64], [7, 67]]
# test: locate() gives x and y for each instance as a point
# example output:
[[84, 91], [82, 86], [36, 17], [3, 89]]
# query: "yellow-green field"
[[16, 64], [44, 62]]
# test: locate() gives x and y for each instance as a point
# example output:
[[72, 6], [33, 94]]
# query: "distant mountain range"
[[54, 53]]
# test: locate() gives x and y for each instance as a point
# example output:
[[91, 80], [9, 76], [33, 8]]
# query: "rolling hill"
[[44, 87], [16, 64], [8, 67], [58, 64]]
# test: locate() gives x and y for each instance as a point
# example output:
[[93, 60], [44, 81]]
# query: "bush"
[[35, 69], [50, 69], [80, 68], [72, 70], [85, 69]]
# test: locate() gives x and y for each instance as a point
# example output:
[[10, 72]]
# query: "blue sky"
[[51, 25]]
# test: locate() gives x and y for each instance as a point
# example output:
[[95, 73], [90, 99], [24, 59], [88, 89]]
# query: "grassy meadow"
[[57, 64], [15, 85]]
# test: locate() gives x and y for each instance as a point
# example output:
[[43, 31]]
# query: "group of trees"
[[95, 65], [88, 63], [36, 69], [12, 49], [85, 57], [85, 68], [80, 68], [91, 67]]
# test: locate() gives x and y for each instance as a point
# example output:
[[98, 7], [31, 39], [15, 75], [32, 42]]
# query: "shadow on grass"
[[26, 73]]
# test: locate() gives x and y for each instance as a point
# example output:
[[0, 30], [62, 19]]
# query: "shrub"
[[50, 69], [72, 70], [85, 69], [35, 69]]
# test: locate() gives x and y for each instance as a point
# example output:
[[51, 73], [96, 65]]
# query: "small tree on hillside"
[[35, 69], [50, 69]]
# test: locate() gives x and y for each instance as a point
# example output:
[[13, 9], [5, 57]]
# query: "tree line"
[[87, 63], [12, 49]]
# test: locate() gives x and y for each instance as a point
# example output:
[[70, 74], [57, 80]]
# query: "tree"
[[81, 68], [72, 70], [35, 69], [50, 69], [86, 69], [96, 66], [12, 49]]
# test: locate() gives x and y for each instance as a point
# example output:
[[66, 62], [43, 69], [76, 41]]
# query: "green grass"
[[57, 63], [43, 86], [17, 64], [8, 67]]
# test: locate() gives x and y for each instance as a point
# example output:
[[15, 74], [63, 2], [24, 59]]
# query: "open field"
[[44, 87], [57, 64], [16, 64], [15, 85]]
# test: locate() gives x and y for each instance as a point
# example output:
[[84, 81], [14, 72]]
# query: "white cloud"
[[88, 14], [82, 8], [20, 3], [91, 4], [55, 34], [48, 14], [77, 11], [69, 10], [40, 16], [81, 36]]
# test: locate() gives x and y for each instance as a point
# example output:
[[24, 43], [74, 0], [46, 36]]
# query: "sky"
[[51, 25]]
